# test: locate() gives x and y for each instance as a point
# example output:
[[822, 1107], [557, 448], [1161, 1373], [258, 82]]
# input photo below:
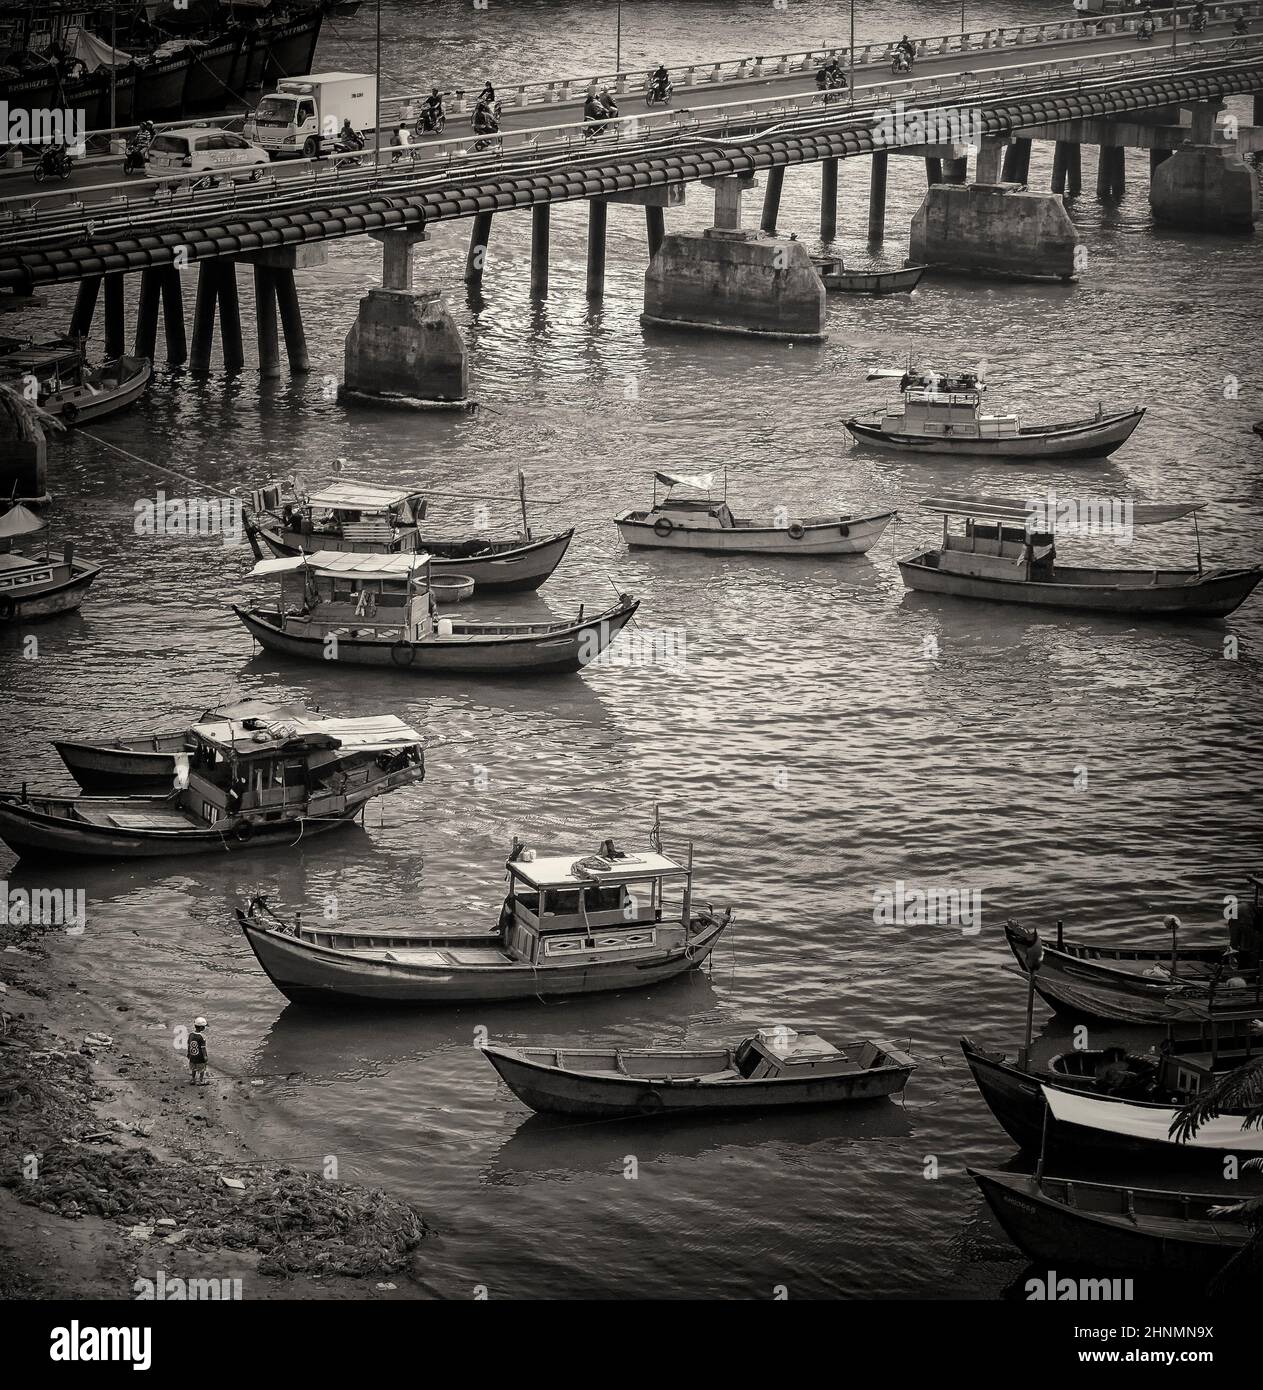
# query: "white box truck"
[[303, 111]]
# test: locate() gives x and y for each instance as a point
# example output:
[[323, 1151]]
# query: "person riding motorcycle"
[[837, 78], [54, 160], [1146, 24], [1240, 26], [137, 146], [595, 113], [485, 122], [349, 137], [659, 83], [905, 45], [1197, 21], [432, 113]]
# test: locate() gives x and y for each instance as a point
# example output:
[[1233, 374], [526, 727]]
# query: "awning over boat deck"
[[565, 871], [19, 521], [381, 733], [1020, 509], [259, 709], [336, 564], [357, 497], [701, 481]]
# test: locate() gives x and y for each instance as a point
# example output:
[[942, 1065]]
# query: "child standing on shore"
[[198, 1057]]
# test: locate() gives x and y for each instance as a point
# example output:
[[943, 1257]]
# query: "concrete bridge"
[[991, 97]]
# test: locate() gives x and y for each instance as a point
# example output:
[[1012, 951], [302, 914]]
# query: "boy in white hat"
[[197, 1053]]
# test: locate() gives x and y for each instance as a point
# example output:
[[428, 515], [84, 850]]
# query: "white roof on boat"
[[565, 871], [378, 733], [701, 481], [1020, 509], [19, 521], [356, 497], [337, 563]]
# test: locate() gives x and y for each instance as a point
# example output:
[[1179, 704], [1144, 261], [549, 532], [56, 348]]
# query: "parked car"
[[204, 151]]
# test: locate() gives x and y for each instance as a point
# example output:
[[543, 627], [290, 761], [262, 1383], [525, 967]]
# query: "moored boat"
[[368, 519], [1008, 554], [245, 783], [694, 519], [941, 413], [70, 388], [775, 1068], [569, 925], [1105, 1227], [379, 610], [32, 587], [835, 276]]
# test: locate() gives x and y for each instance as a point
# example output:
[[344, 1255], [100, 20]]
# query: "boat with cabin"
[[835, 276], [773, 1069], [380, 610], [1007, 553], [690, 517], [941, 413], [368, 519], [32, 586], [1099, 1226], [570, 924], [71, 388], [243, 784]]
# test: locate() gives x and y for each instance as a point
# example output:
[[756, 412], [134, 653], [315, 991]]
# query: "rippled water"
[[810, 747]]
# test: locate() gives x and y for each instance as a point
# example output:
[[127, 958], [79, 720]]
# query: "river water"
[[827, 735]]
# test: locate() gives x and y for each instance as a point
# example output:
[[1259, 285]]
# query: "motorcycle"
[[432, 121], [486, 122], [901, 63], [134, 156], [1144, 33], [658, 93], [352, 149], [54, 163]]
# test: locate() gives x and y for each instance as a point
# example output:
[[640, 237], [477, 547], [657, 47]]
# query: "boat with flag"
[[34, 586], [570, 924], [371, 519], [941, 413], [242, 784], [691, 517], [380, 610], [1007, 553]]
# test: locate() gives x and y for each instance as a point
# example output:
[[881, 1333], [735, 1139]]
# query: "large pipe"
[[598, 210]]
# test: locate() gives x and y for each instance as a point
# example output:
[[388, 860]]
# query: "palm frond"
[[1240, 1091], [24, 418]]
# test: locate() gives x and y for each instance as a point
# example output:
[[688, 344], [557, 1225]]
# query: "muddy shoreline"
[[120, 1180]]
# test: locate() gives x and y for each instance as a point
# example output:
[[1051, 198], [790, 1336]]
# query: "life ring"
[[243, 831], [403, 653], [7, 608], [70, 412], [663, 526], [844, 530], [797, 530]]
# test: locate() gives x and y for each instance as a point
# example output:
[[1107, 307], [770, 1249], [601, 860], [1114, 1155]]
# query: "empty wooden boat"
[[835, 276], [773, 1069], [245, 783], [70, 388], [368, 519], [693, 519], [1106, 1228], [1146, 984], [33, 587], [1005, 556], [379, 610], [570, 924], [941, 413]]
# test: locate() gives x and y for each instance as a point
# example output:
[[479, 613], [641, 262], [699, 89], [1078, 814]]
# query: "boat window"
[[561, 902]]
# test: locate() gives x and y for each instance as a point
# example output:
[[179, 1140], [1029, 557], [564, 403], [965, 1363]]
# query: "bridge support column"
[[655, 229], [145, 343], [1207, 188], [598, 215], [173, 315], [265, 319], [404, 348], [772, 199], [990, 155], [828, 199], [230, 318], [956, 170], [1257, 114], [1058, 184], [1017, 162], [115, 317], [730, 280], [292, 323], [1156, 156], [275, 293], [1111, 172], [476, 258], [993, 230], [85, 307], [933, 170], [204, 316], [541, 225], [877, 196]]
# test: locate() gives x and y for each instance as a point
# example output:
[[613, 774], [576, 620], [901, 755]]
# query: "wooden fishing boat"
[[379, 610], [836, 277], [371, 520], [774, 1069], [696, 520], [569, 925], [1003, 557], [1184, 1066], [1104, 1227], [147, 762], [70, 388], [32, 587], [245, 783], [941, 413], [1146, 984]]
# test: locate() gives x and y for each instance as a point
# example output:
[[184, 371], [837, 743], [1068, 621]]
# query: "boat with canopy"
[[941, 413], [691, 517], [69, 387], [369, 519], [1007, 553], [34, 587], [380, 610], [570, 924], [245, 782]]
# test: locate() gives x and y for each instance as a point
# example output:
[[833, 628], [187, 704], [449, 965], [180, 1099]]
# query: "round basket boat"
[[451, 588]]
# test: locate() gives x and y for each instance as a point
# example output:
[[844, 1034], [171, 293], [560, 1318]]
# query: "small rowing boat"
[[1008, 554], [380, 610], [774, 1069], [941, 413], [570, 924], [1103, 1227], [690, 517], [367, 519], [32, 587], [836, 277]]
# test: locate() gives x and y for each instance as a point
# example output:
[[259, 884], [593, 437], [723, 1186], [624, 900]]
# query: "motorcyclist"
[[610, 102], [837, 78], [594, 114], [349, 137], [55, 158], [488, 94], [137, 145], [432, 111], [485, 122], [1197, 20], [1146, 23], [659, 81], [1240, 26], [905, 46]]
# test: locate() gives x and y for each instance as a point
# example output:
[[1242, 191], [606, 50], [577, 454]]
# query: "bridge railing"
[[437, 162]]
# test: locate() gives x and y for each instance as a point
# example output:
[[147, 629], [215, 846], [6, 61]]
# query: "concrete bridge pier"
[[1017, 162], [877, 196], [115, 317], [933, 169], [598, 218], [404, 348], [993, 229], [1156, 156], [1205, 185], [956, 170], [213, 298], [655, 202], [828, 199], [1067, 174], [541, 225], [1111, 172], [732, 280], [476, 257], [991, 154], [276, 295], [772, 199], [655, 229]]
